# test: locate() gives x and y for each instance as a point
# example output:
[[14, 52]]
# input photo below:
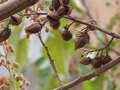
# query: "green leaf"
[[109, 4], [108, 84], [39, 61], [73, 5], [47, 2], [21, 55], [60, 51], [113, 21], [94, 84], [45, 75]]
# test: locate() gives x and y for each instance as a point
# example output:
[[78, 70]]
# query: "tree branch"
[[95, 26], [99, 71], [91, 17], [11, 7]]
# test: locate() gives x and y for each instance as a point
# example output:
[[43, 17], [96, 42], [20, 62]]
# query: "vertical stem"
[[51, 59]]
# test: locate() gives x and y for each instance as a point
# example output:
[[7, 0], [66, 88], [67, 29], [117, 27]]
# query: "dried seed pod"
[[80, 42], [66, 2], [64, 10], [5, 33], [53, 17], [86, 61], [87, 36], [97, 62], [51, 8], [55, 25], [66, 35], [15, 19], [55, 4], [106, 59], [33, 28], [84, 34]]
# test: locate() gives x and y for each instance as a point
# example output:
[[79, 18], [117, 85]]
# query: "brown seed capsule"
[[55, 4], [66, 2], [86, 35], [80, 42], [53, 17], [51, 8], [66, 35], [55, 25], [64, 10], [86, 61], [33, 28], [15, 19], [97, 62], [4, 34], [106, 59]]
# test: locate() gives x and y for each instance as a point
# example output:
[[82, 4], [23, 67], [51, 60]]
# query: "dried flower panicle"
[[7, 82], [9, 48], [15, 65], [40, 4]]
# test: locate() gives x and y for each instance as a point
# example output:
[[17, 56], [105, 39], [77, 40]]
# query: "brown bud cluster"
[[9, 48], [15, 65], [7, 82], [5, 33], [82, 40], [66, 35], [20, 78], [4, 83], [15, 19]]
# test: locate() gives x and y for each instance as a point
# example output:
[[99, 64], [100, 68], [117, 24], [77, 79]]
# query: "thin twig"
[[98, 50], [96, 34], [27, 14], [50, 58], [95, 26], [99, 71]]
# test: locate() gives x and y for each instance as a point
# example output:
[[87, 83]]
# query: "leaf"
[[113, 21], [47, 2], [73, 5], [109, 4], [108, 84], [94, 84], [39, 61], [45, 75], [21, 55], [60, 51]]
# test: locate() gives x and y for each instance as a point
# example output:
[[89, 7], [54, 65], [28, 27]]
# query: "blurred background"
[[35, 65]]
